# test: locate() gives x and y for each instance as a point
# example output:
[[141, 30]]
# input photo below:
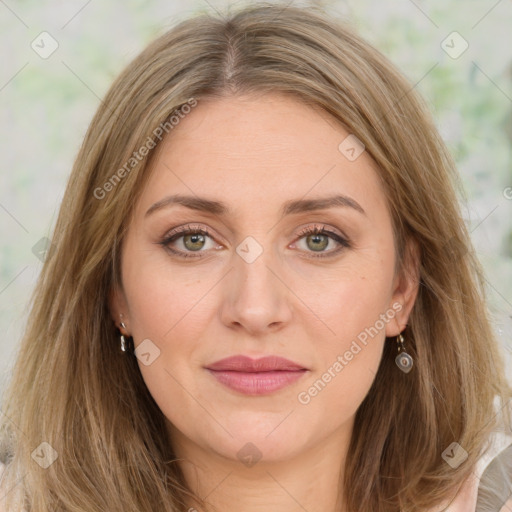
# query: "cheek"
[[347, 362], [172, 308], [166, 308], [163, 298], [350, 297], [355, 306], [331, 398]]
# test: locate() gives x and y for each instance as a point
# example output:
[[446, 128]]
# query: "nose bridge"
[[255, 283], [257, 298]]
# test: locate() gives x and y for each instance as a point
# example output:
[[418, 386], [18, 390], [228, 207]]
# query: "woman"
[[260, 293]]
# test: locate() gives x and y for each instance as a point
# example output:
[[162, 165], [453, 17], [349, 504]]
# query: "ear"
[[405, 289], [118, 307]]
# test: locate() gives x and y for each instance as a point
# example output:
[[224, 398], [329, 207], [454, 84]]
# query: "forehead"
[[249, 151]]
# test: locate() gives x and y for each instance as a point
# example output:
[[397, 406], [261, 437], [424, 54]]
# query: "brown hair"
[[70, 387]]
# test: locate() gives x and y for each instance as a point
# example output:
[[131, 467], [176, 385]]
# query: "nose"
[[257, 296]]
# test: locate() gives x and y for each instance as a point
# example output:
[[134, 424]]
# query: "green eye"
[[195, 239], [317, 240]]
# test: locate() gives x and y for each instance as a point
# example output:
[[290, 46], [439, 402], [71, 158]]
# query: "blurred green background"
[[47, 102]]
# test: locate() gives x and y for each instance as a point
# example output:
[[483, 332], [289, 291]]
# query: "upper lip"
[[247, 364]]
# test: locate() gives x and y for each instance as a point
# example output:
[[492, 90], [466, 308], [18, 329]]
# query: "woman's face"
[[257, 174]]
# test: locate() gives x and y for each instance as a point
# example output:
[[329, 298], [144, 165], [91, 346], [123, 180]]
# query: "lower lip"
[[257, 383]]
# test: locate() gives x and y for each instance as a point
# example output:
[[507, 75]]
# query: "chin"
[[254, 440], [255, 451]]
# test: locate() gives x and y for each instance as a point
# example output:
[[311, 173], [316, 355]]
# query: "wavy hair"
[[71, 388]]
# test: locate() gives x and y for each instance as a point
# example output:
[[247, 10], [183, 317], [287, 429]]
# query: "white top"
[[466, 500]]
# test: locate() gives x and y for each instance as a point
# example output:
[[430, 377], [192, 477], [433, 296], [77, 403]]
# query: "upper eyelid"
[[320, 226]]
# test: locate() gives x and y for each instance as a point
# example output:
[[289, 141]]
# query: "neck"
[[309, 481]]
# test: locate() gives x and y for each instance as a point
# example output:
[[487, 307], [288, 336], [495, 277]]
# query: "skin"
[[254, 153]]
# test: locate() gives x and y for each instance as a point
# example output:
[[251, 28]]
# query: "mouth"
[[256, 376]]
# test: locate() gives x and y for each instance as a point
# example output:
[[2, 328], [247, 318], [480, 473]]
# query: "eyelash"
[[310, 230]]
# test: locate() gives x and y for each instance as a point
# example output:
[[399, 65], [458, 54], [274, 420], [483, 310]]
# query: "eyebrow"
[[289, 207]]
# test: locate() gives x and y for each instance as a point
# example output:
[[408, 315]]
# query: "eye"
[[192, 239], [318, 239]]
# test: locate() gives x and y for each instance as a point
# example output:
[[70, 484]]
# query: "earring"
[[403, 360], [124, 341]]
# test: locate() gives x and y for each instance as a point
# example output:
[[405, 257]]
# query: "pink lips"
[[256, 376]]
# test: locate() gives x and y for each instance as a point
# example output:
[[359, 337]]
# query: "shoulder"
[[466, 499], [489, 485], [2, 493], [495, 486]]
